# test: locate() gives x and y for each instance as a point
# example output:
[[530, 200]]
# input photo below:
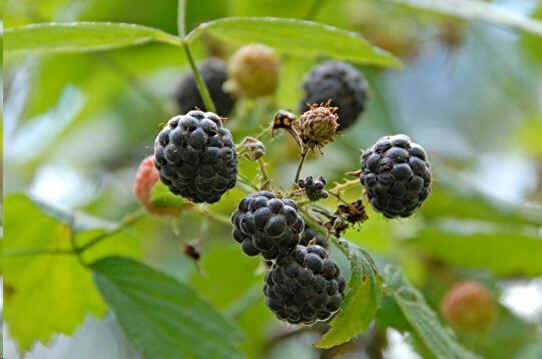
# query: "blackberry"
[[196, 156], [340, 84], [214, 74], [314, 188], [305, 286], [267, 225], [396, 175], [310, 235]]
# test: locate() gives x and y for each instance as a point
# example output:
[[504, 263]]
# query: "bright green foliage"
[[162, 317], [302, 38], [439, 340], [45, 294], [81, 36], [361, 301]]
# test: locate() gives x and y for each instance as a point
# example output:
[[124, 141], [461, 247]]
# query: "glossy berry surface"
[[266, 225], [396, 175], [196, 157], [305, 286]]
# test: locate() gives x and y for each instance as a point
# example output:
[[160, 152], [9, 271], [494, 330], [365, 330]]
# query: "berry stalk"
[[204, 92]]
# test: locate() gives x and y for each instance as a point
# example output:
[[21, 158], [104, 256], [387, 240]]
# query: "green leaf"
[[81, 36], [361, 302], [440, 341], [162, 317], [299, 37], [504, 252], [47, 293], [478, 10]]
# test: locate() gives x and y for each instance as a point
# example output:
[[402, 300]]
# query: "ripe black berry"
[[305, 286], [313, 237], [339, 83], [214, 74], [196, 156], [396, 175], [267, 225], [314, 188]]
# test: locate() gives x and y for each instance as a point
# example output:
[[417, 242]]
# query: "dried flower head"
[[317, 126]]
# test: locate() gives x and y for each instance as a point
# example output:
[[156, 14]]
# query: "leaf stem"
[[129, 219], [181, 18], [32, 252], [204, 92]]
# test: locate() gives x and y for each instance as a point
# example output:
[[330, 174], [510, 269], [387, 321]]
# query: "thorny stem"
[[339, 187], [204, 92]]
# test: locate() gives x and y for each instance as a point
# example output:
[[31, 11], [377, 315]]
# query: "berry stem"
[[212, 215], [204, 92], [263, 170], [300, 166]]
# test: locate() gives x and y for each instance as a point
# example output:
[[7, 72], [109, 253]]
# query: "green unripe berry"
[[254, 70]]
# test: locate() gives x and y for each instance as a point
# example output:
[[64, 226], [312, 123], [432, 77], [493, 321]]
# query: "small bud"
[[317, 126], [283, 119], [255, 70], [252, 149]]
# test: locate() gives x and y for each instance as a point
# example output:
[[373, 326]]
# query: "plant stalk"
[[204, 92]]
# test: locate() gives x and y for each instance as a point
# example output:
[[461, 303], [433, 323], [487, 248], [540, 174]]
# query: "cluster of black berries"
[[396, 175], [314, 188], [196, 157], [303, 285]]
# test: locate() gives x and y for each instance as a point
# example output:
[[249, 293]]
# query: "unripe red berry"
[[146, 177], [468, 305]]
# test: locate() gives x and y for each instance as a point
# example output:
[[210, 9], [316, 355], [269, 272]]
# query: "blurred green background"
[[76, 127]]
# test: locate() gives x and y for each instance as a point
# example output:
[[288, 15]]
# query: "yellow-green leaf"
[[361, 302], [81, 36], [299, 37]]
